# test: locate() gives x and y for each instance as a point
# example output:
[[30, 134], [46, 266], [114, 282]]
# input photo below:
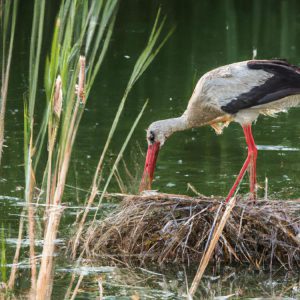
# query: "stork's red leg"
[[250, 160], [252, 167]]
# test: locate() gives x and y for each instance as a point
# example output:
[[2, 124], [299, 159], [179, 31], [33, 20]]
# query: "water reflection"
[[153, 284]]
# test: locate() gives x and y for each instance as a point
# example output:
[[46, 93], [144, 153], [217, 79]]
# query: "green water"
[[208, 34]]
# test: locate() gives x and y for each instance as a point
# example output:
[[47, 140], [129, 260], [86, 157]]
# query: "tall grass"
[[8, 17], [81, 37], [146, 57], [29, 110], [68, 81]]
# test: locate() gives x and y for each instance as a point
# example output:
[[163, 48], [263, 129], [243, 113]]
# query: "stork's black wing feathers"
[[284, 82]]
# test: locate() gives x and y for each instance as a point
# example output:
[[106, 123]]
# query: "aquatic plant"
[[8, 16], [146, 57], [67, 86], [29, 117], [81, 37]]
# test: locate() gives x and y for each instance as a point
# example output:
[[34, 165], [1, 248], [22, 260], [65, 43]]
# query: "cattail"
[[57, 103], [81, 79]]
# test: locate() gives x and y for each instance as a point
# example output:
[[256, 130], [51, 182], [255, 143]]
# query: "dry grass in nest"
[[174, 228]]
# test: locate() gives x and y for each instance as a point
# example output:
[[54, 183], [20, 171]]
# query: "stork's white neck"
[[165, 128]]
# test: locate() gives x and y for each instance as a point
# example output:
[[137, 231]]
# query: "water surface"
[[208, 34]]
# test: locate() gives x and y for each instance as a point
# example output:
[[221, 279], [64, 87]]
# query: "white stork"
[[237, 92]]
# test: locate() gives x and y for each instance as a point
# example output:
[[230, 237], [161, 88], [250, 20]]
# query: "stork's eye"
[[151, 137]]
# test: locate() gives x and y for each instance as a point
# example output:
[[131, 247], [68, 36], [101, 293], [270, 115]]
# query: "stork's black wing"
[[284, 82]]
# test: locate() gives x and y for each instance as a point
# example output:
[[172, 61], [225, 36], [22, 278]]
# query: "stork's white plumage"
[[237, 92]]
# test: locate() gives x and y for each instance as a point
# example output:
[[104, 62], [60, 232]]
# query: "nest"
[[164, 228]]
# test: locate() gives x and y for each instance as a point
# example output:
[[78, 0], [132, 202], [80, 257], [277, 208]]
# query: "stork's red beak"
[[150, 163]]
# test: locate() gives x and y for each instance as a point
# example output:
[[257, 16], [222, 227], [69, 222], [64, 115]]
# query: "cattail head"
[[57, 103], [81, 79]]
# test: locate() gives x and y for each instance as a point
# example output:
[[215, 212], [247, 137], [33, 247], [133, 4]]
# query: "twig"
[[206, 257], [100, 287], [194, 190], [77, 287], [69, 290], [266, 189], [14, 269]]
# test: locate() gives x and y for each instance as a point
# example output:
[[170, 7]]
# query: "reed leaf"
[[65, 62], [91, 78], [142, 63], [7, 20], [119, 156], [34, 64], [81, 38], [35, 52], [140, 66]]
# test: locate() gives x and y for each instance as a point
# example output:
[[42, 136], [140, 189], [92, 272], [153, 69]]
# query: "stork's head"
[[157, 133]]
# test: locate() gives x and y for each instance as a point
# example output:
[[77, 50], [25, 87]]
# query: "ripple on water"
[[276, 148], [86, 270]]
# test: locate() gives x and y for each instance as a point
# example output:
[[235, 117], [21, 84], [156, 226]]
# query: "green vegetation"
[[81, 38], [3, 256], [8, 16]]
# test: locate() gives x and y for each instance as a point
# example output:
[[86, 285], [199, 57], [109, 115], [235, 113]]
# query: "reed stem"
[[6, 63], [142, 63], [14, 269], [212, 245]]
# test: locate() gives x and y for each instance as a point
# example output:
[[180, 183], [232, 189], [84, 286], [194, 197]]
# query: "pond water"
[[209, 33]]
